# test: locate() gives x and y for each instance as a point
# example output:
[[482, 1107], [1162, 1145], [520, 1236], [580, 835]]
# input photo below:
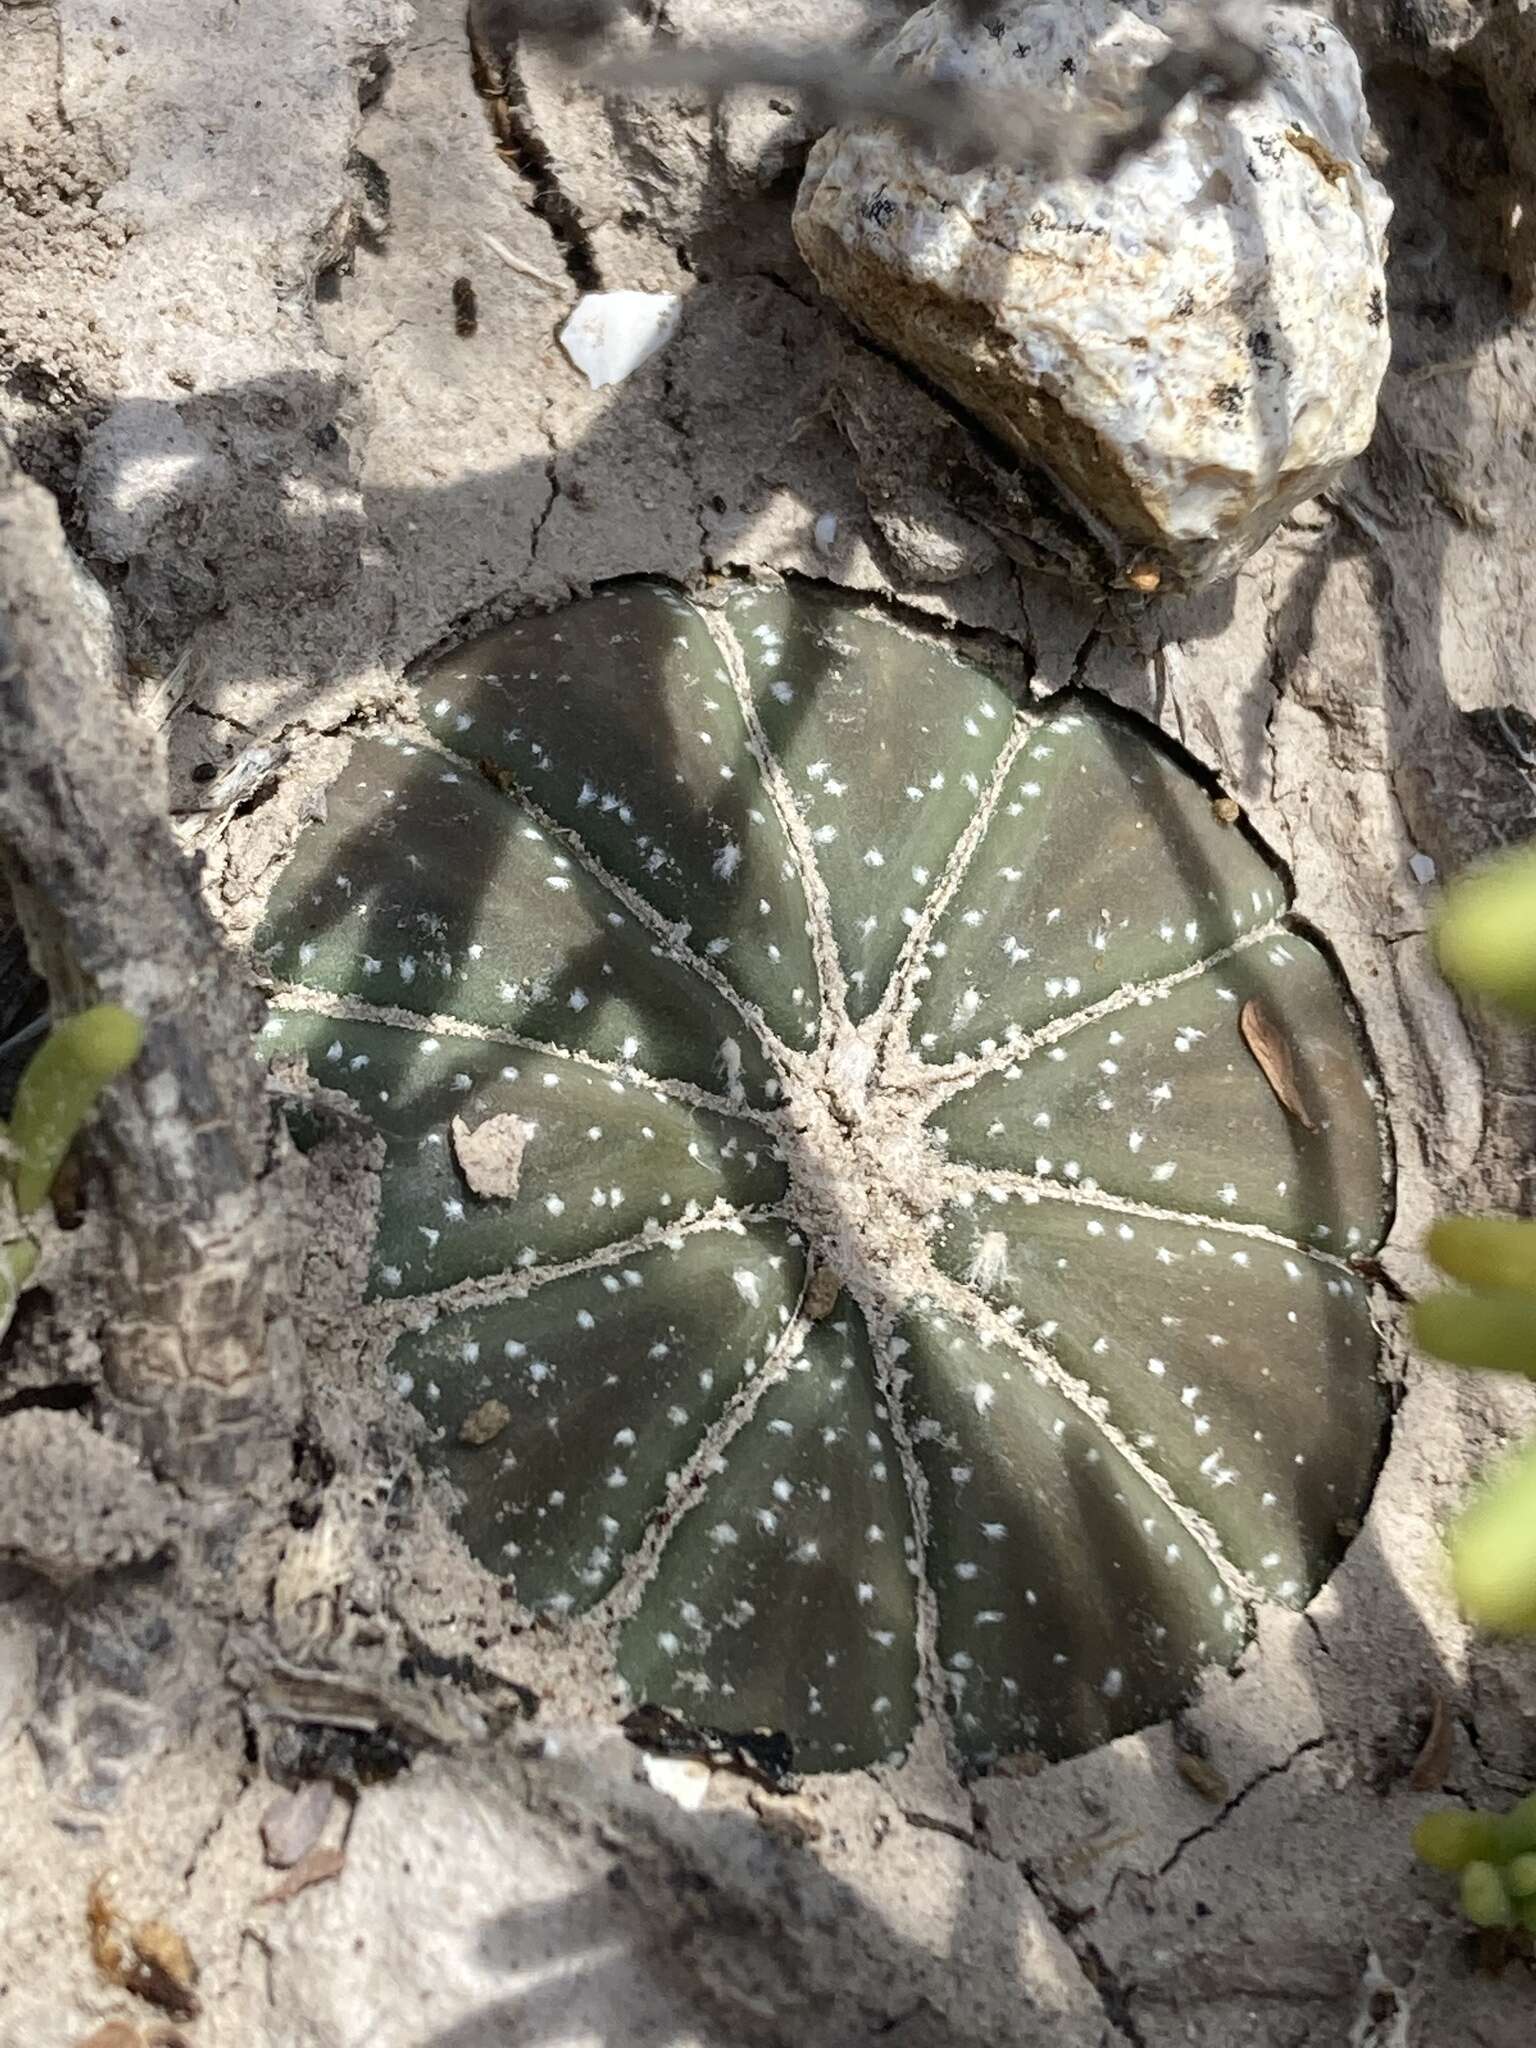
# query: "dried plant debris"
[[821, 1291], [1267, 1042], [1192, 1760], [765, 1755], [789, 1820], [1433, 1762], [1202, 1776], [318, 1866], [796, 946], [149, 1959], [351, 1755], [125, 2034], [961, 121]]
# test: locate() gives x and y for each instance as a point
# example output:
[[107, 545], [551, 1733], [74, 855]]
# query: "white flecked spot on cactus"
[[1190, 348], [773, 1023]]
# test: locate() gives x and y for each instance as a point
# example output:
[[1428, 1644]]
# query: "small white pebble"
[[610, 334]]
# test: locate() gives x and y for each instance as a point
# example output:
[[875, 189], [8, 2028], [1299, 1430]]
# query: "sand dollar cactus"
[[871, 1173]]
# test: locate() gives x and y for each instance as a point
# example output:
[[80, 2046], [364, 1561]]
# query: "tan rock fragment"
[[483, 1424], [490, 1154]]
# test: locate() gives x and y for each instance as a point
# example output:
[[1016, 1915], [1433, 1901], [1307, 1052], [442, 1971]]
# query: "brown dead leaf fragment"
[[497, 776], [1434, 1758], [1192, 1760], [153, 1961], [1202, 1776], [1266, 1042], [317, 1867], [101, 1928]]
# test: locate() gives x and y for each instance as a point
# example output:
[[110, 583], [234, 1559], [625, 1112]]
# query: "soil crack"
[[1218, 1820], [936, 1826], [520, 146], [1112, 1994], [552, 478]]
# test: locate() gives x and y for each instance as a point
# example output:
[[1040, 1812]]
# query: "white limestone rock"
[[1189, 349]]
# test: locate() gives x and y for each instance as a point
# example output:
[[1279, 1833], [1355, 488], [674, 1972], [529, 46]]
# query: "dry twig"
[[194, 1351], [958, 122]]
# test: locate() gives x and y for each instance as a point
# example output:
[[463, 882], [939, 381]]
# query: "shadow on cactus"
[[871, 1173]]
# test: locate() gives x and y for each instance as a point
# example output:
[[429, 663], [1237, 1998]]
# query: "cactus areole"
[[871, 1174]]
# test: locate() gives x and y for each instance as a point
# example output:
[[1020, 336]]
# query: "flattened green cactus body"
[[834, 1220]]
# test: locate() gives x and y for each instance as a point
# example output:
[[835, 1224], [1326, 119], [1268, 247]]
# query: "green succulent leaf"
[[841, 1224], [887, 771], [1486, 942], [60, 1087], [1486, 932], [1495, 1328], [1452, 1838], [1517, 1829], [662, 784], [1485, 1251], [433, 892], [1483, 1898], [1071, 1585], [1493, 1551], [1217, 1354], [18, 1262]]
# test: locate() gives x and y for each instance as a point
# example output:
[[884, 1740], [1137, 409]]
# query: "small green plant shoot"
[[1486, 941], [57, 1092], [1495, 1854]]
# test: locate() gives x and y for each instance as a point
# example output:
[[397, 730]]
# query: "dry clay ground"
[[227, 341]]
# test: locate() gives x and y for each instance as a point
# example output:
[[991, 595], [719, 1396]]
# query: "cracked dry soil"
[[228, 341]]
